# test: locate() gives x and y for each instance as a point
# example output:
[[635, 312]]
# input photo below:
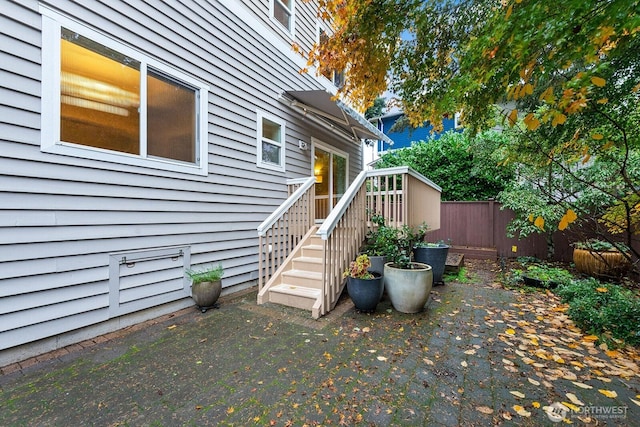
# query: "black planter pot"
[[538, 283], [365, 293], [436, 257]]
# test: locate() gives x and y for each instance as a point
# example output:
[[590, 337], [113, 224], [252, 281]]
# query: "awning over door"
[[319, 104]]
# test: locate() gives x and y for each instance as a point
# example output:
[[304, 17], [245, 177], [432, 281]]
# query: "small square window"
[[271, 142], [283, 12]]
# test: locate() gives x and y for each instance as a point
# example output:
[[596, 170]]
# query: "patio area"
[[478, 355]]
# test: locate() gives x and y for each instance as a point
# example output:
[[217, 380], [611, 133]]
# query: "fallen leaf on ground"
[[609, 393], [517, 394], [521, 411], [382, 358], [464, 363], [582, 385], [484, 410], [574, 399], [534, 382]]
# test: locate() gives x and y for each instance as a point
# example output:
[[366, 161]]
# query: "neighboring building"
[[405, 137], [140, 138]]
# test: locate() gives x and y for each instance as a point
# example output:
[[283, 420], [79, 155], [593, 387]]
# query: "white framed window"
[[336, 77], [271, 142], [457, 124], [104, 100], [283, 11]]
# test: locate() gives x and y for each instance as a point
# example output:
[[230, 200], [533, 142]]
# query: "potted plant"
[[380, 243], [365, 287], [206, 286], [408, 283], [433, 254], [601, 258]]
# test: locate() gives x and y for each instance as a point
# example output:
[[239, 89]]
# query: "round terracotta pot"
[[600, 263], [408, 289]]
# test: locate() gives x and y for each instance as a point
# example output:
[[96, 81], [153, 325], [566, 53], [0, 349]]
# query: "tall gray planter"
[[408, 289], [434, 255]]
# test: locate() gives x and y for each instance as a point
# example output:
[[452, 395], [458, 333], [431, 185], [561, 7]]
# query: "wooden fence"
[[480, 229]]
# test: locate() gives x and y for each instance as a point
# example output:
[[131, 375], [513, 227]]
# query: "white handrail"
[[336, 213], [271, 219]]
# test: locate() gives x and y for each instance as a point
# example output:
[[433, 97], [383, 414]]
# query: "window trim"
[[283, 132], [52, 24], [272, 16], [321, 27]]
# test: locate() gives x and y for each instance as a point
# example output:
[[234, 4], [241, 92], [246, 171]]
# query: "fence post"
[[491, 223]]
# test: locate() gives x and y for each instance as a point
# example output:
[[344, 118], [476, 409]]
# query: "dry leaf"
[[535, 404], [484, 410], [464, 363], [637, 402], [382, 358], [472, 351], [582, 385], [534, 382], [574, 399], [517, 394], [507, 362], [571, 406], [510, 331]]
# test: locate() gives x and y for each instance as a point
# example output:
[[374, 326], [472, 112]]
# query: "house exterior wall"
[[74, 231]]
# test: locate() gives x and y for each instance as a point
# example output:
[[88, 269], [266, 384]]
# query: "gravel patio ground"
[[478, 355]]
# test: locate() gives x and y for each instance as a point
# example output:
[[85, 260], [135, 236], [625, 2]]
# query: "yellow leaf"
[[563, 224], [509, 10], [535, 404], [608, 145], [517, 394], [609, 393], [532, 122], [586, 159], [557, 358], [590, 338], [597, 136], [539, 222], [635, 401], [510, 331], [574, 408], [528, 89], [571, 215], [547, 95], [602, 101], [598, 81], [231, 410], [558, 119], [530, 217], [602, 290], [513, 117], [521, 411], [171, 327]]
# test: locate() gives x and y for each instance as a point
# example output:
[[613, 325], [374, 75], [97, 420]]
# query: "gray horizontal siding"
[[61, 217]]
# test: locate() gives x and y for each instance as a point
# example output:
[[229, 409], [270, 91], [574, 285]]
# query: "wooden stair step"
[[301, 291]]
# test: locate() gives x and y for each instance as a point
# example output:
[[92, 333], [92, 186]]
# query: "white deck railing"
[[400, 194]]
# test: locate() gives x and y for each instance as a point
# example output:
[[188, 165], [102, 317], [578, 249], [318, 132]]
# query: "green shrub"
[[604, 309]]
